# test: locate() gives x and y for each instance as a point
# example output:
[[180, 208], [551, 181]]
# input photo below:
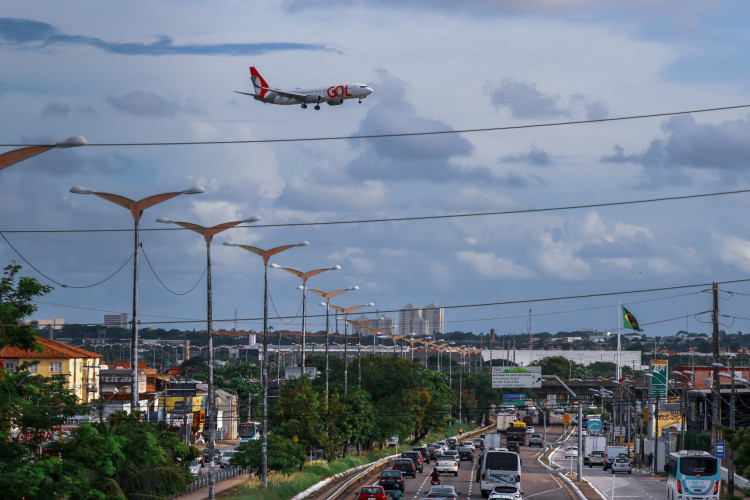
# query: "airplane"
[[333, 95]]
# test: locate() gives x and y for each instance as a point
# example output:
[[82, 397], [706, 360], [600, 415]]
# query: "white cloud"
[[558, 259], [488, 265], [735, 251]]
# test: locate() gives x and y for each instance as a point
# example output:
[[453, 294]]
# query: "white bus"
[[692, 474], [499, 467]]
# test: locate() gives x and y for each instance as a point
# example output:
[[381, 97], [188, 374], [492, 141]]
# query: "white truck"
[[492, 441], [593, 443], [612, 452], [503, 421]]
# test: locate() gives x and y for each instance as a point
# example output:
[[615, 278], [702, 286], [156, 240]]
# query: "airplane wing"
[[245, 93], [285, 93]]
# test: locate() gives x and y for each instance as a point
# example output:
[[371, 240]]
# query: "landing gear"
[[360, 101], [304, 106], [317, 106]]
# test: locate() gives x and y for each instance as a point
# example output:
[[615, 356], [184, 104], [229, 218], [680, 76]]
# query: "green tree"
[[284, 455], [16, 303], [297, 414]]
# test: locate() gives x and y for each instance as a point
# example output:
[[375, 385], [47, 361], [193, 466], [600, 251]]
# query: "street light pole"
[[360, 325], [346, 312], [208, 233], [18, 155], [265, 255], [136, 210], [327, 297], [304, 276]]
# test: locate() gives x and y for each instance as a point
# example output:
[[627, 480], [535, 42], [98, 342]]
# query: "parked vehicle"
[[622, 464], [372, 493], [416, 457], [405, 466], [392, 480]]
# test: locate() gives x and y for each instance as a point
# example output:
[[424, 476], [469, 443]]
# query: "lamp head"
[[72, 142], [717, 365], [324, 304], [300, 287], [335, 268], [194, 190], [164, 220], [80, 190], [355, 287], [302, 243], [230, 244], [275, 266], [370, 304], [252, 219]]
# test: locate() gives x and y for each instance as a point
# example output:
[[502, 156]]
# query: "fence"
[[219, 475]]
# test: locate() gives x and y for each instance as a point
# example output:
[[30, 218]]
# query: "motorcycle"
[[435, 481]]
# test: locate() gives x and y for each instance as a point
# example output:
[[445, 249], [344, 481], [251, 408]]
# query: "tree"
[[284, 455], [16, 303], [297, 415]]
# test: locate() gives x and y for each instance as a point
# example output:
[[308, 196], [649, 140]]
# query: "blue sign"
[[514, 396], [720, 450]]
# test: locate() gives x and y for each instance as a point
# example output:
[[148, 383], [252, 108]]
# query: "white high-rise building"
[[116, 320], [381, 321], [434, 316], [410, 321]]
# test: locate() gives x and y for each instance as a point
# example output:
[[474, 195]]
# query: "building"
[[410, 321], [116, 320], [434, 316], [54, 323], [81, 367], [382, 323]]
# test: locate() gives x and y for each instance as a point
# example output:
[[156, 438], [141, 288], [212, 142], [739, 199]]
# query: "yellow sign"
[[566, 420]]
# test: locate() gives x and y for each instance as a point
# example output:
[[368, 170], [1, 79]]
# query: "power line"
[[404, 134], [407, 219]]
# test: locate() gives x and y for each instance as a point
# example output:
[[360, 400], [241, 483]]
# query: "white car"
[[195, 467], [453, 454], [507, 492], [447, 463], [470, 444], [225, 458], [530, 429], [571, 452], [622, 464]]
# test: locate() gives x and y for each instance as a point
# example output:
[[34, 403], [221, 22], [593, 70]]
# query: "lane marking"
[[559, 487]]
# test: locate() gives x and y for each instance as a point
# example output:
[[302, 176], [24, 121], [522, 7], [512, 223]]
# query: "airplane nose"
[[368, 90]]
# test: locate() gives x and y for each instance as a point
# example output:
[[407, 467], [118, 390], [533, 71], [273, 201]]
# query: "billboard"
[[516, 376], [659, 378]]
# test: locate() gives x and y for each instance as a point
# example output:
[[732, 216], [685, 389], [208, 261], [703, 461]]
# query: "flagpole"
[[619, 330]]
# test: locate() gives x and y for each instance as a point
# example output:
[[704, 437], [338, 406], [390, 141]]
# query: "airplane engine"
[[335, 102]]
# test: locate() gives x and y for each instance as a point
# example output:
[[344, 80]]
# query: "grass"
[[283, 487]]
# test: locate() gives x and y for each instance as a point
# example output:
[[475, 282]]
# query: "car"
[[536, 440], [442, 491], [405, 466], [596, 458], [195, 467], [392, 480], [205, 454], [416, 457], [454, 454], [434, 451], [513, 446], [372, 493], [571, 452], [446, 463], [424, 452], [478, 443], [506, 492], [468, 443], [465, 453], [452, 443], [530, 429], [622, 464], [226, 457]]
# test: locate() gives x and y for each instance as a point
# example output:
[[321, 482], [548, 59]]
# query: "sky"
[[132, 76]]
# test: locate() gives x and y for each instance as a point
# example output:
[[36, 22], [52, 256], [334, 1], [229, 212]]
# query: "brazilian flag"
[[629, 320]]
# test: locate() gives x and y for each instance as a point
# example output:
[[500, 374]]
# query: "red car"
[[372, 493]]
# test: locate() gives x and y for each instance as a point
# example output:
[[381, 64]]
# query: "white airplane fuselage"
[[333, 95]]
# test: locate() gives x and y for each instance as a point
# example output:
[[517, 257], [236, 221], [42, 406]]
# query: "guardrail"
[[219, 475]]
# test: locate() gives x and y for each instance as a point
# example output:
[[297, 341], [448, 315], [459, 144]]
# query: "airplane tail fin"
[[261, 87]]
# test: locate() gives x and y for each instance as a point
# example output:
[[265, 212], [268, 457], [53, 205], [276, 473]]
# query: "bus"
[[692, 474], [249, 431], [499, 467]]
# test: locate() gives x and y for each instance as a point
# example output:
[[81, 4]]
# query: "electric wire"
[[406, 134], [200, 278], [405, 219]]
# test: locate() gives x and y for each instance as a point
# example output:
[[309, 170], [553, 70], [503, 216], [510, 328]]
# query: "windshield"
[[505, 489], [387, 473], [247, 430], [694, 466], [502, 461]]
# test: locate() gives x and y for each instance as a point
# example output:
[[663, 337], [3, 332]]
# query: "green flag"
[[629, 320]]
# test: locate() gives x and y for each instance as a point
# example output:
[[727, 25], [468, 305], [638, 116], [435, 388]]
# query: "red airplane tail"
[[261, 87]]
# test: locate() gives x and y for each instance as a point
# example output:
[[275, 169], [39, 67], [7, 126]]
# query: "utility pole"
[[715, 416], [492, 344], [730, 467]]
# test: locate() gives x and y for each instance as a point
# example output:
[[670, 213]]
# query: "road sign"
[[720, 450], [659, 378], [516, 376], [514, 396]]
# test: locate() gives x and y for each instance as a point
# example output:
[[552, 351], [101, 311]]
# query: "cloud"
[[490, 266], [421, 158], [735, 251], [35, 34], [56, 109], [534, 156], [142, 103], [301, 194], [525, 101], [721, 148]]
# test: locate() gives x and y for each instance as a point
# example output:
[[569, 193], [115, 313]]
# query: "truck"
[[503, 421], [592, 443], [492, 441], [612, 452], [516, 431]]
